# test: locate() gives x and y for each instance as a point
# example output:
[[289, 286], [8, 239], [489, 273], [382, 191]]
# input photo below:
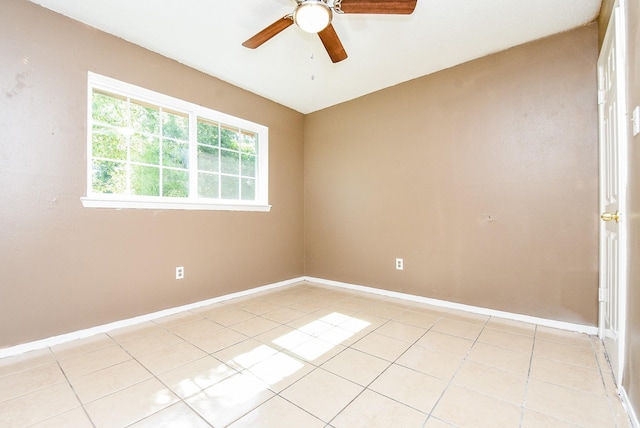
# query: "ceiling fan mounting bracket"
[[335, 5]]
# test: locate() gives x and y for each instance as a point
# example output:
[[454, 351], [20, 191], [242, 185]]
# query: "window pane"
[[230, 187], [152, 149], [249, 143], [145, 180], [175, 125], [108, 143], [175, 183], [111, 109], [208, 132], [248, 189], [229, 138], [145, 118], [109, 177], [175, 154], [208, 185], [248, 165], [230, 162], [208, 159], [145, 149]]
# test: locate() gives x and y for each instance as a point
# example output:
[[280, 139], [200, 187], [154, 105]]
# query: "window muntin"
[[148, 149], [227, 161]]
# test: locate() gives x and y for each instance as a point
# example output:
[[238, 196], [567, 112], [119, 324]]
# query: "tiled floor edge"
[[626, 403], [580, 328], [80, 334]]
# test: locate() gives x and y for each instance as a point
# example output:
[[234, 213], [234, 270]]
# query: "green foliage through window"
[[130, 131], [139, 148], [235, 160]]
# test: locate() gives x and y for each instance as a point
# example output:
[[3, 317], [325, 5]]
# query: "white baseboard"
[[81, 334], [626, 403], [592, 330]]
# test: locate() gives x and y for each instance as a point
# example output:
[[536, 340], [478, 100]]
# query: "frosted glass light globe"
[[312, 16]]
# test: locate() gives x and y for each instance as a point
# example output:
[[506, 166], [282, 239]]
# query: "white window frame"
[[193, 202]]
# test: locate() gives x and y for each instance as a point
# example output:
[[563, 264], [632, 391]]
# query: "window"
[[148, 150]]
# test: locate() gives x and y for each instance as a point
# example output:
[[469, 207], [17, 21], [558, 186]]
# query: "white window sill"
[[92, 202]]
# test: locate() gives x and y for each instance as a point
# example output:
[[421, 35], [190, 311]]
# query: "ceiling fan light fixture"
[[312, 16]]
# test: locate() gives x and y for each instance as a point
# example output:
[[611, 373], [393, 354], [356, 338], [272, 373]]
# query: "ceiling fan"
[[314, 16]]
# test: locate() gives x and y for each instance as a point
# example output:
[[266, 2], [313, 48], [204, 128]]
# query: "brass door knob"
[[606, 216]]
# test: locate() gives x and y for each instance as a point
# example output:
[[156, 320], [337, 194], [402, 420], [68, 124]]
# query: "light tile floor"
[[313, 356]]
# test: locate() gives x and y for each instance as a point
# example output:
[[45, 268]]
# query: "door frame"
[[615, 28]]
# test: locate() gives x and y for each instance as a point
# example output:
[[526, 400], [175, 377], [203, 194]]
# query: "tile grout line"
[[526, 386], [555, 417], [278, 394], [602, 378], [74, 391], [237, 372], [316, 367], [464, 359], [154, 376], [24, 394], [428, 415], [133, 358], [246, 369]]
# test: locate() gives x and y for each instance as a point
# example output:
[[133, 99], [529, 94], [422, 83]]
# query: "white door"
[[613, 155]]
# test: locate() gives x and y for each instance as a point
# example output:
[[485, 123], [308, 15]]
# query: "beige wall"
[[64, 267], [483, 177]]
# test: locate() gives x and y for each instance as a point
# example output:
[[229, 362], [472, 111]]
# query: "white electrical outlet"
[[180, 272], [635, 118], [399, 264]]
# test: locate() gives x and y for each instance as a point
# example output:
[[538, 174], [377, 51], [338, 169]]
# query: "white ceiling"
[[293, 68]]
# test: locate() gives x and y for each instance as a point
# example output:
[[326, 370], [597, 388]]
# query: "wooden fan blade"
[[266, 34], [332, 44], [392, 7]]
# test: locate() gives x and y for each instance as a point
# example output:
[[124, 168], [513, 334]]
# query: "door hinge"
[[601, 96], [602, 294]]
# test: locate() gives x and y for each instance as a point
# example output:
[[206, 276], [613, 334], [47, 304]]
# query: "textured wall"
[[483, 177], [64, 267]]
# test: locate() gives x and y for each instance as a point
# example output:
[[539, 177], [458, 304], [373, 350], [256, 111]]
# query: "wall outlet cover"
[[180, 272]]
